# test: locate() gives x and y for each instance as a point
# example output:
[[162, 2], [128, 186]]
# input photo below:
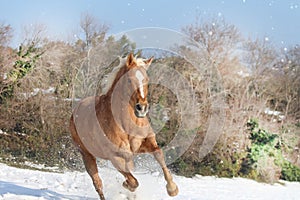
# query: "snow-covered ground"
[[21, 184]]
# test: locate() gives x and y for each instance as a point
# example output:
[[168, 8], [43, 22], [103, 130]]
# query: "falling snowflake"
[[293, 6]]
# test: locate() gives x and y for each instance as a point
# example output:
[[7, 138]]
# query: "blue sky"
[[277, 20]]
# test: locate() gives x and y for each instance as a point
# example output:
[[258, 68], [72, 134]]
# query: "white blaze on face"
[[140, 77]]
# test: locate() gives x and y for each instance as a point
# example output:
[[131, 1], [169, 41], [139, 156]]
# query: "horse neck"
[[115, 98], [116, 83]]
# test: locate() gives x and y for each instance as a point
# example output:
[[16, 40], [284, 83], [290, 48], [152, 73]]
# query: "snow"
[[278, 114], [24, 184], [50, 90], [243, 74]]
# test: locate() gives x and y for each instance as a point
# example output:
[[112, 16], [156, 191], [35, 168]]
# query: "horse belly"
[[89, 130]]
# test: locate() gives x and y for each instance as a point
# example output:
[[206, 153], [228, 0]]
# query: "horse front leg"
[[150, 145], [124, 166], [131, 182], [172, 188]]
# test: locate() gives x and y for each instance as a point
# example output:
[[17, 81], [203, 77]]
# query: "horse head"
[[138, 83]]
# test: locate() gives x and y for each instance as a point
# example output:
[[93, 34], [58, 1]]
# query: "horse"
[[114, 125]]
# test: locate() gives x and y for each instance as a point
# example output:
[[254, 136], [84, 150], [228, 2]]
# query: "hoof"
[[128, 187], [102, 197], [172, 191]]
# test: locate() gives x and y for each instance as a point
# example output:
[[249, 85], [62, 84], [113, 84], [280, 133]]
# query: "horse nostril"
[[138, 107]]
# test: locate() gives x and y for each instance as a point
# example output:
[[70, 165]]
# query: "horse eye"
[[129, 81]]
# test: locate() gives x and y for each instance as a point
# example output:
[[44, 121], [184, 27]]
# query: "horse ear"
[[130, 59], [148, 62]]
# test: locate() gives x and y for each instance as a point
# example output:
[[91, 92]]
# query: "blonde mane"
[[109, 78]]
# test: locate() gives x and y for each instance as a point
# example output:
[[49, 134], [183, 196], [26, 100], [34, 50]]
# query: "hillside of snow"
[[23, 184]]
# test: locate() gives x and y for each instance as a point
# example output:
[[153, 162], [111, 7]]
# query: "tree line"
[[37, 83]]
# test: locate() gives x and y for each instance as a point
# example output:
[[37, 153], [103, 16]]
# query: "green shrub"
[[290, 172], [25, 63], [265, 147], [263, 160]]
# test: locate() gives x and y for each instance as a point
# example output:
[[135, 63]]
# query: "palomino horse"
[[114, 126]]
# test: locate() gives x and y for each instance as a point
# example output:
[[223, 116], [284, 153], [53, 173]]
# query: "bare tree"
[[259, 55], [5, 34], [93, 29], [284, 84], [6, 55], [218, 38], [5, 52], [34, 34]]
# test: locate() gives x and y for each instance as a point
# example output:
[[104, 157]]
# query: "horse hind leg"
[[91, 167]]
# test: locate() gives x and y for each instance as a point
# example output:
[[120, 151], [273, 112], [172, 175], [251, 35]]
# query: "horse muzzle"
[[141, 110]]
